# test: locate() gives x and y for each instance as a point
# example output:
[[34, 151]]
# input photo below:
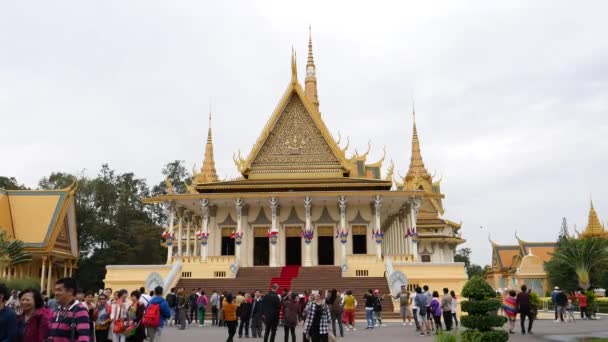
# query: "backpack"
[[151, 317]]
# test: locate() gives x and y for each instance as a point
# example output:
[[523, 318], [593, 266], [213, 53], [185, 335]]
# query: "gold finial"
[[294, 67], [417, 172], [390, 171], [311, 61], [310, 85], [208, 173], [594, 225]]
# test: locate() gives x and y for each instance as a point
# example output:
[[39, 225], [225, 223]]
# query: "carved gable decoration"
[[62, 243], [295, 144]]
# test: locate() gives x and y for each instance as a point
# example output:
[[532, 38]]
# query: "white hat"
[[556, 288]]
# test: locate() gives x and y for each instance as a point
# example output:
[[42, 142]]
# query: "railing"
[[186, 274], [362, 273], [172, 277], [219, 274]]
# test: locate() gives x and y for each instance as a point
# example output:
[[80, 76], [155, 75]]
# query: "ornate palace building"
[[515, 265], [45, 221], [304, 200]]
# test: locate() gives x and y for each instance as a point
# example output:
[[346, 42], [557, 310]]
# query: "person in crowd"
[[256, 315], [553, 301], [144, 298], [509, 305], [378, 309], [119, 314], [436, 311], [192, 299], [102, 319], [415, 309], [89, 299], [80, 296], [454, 308], [182, 309], [291, 308], [52, 303], [171, 299], [429, 312], [136, 332], [221, 315], [404, 305], [524, 307], [8, 318], [271, 312], [349, 305], [71, 321], [201, 304], [561, 300], [245, 315], [108, 292], [446, 309], [316, 326], [215, 306], [32, 323], [420, 300], [13, 302], [335, 308], [229, 313], [370, 301], [164, 312], [238, 300], [582, 303]]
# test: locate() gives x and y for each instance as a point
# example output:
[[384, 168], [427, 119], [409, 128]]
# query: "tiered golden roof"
[[594, 226]]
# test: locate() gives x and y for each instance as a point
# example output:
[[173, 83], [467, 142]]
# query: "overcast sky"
[[511, 97]]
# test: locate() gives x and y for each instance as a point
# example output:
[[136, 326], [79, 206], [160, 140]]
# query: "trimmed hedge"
[[483, 322], [485, 336], [21, 284], [477, 289], [481, 307]]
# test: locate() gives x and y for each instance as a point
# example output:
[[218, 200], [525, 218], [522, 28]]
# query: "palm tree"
[[12, 251], [584, 255]]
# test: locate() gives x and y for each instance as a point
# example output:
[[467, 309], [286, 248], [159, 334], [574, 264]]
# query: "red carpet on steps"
[[288, 273]]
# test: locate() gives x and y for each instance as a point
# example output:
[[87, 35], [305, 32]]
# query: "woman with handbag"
[[135, 331], [119, 317]]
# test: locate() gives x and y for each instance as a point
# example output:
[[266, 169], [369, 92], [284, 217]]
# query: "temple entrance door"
[[325, 245], [359, 239], [261, 247], [293, 246], [228, 246]]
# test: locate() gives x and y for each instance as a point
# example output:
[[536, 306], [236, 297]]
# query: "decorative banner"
[[273, 236], [378, 235], [307, 235], [343, 235], [169, 237], [237, 237], [203, 237]]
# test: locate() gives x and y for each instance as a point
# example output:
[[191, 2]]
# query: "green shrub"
[[486, 336], [481, 307], [478, 289], [483, 322], [447, 337], [21, 284]]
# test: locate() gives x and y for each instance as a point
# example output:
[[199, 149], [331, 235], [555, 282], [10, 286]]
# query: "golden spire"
[[294, 67], [594, 226], [310, 86], [208, 173], [417, 173]]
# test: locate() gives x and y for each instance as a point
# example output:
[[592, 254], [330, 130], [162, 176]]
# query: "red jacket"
[[582, 300], [37, 328]]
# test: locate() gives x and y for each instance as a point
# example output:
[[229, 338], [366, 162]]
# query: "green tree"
[[578, 263], [482, 307], [475, 270], [12, 251], [463, 255], [10, 183]]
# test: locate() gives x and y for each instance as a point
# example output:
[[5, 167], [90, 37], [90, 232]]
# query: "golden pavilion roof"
[[594, 226]]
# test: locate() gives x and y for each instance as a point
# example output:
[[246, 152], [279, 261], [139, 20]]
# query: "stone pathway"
[[544, 330]]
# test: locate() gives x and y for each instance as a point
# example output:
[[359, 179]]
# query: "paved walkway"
[[544, 330]]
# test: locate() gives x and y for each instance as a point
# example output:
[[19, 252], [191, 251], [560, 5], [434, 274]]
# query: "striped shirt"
[[70, 321]]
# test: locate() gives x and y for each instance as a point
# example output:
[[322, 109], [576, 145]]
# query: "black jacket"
[[272, 306], [245, 312], [561, 299]]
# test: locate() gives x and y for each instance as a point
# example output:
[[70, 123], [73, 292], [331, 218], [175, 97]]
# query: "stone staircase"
[[299, 279]]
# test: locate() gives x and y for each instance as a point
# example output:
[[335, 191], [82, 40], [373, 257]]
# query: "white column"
[[308, 228], [377, 205], [238, 203], [342, 205], [71, 267], [414, 206], [195, 228], [180, 218], [188, 228], [274, 204], [43, 275], [171, 214], [205, 228], [65, 268], [50, 275]]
